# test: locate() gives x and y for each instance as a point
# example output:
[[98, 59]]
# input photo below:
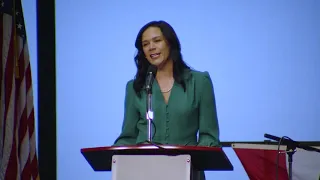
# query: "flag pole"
[[15, 44]]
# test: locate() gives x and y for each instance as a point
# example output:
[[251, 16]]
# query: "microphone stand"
[[149, 111], [290, 151], [291, 148], [149, 114]]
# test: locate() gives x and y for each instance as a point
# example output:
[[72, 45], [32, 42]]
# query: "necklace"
[[168, 89]]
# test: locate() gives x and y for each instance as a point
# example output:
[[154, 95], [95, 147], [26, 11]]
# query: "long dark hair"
[[179, 66]]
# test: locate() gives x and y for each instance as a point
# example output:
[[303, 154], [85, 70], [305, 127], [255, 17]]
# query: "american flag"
[[18, 158]]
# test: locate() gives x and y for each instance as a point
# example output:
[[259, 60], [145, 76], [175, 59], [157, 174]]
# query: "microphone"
[[269, 136], [151, 73], [290, 142]]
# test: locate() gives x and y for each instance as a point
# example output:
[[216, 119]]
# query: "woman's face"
[[155, 46]]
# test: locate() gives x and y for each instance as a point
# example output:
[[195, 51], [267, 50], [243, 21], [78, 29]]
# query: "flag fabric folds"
[[18, 157], [260, 162]]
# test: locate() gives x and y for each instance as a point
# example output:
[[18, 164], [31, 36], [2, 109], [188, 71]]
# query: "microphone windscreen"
[[152, 69]]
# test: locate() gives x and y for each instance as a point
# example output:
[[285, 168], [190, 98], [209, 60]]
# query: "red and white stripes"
[[17, 122]]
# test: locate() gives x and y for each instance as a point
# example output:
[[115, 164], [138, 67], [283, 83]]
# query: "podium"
[[155, 162]]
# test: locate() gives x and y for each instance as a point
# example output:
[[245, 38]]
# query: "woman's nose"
[[151, 46]]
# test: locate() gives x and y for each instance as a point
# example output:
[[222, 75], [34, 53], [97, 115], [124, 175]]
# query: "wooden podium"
[[154, 162]]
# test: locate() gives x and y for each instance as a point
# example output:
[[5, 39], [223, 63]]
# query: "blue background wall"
[[263, 57]]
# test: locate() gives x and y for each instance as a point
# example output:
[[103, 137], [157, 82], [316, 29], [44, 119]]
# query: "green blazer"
[[178, 122]]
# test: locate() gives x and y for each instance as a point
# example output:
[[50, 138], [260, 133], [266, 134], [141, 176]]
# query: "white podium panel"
[[151, 167]]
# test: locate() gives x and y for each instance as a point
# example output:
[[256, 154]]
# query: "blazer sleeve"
[[129, 130], [208, 120]]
